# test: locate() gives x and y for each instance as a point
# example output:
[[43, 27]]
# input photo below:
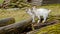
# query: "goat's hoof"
[[33, 22], [32, 27], [38, 22]]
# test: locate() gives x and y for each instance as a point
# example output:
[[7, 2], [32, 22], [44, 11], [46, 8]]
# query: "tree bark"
[[7, 21], [38, 26], [11, 27]]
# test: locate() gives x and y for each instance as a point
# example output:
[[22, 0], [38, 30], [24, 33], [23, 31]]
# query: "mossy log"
[[21, 25], [40, 25], [45, 27], [52, 29], [6, 21]]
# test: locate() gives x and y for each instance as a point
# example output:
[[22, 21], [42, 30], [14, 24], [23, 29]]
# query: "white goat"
[[34, 12]]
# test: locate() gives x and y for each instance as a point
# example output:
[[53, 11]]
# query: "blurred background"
[[16, 9]]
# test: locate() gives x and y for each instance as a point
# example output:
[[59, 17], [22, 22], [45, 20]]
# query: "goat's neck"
[[33, 11]]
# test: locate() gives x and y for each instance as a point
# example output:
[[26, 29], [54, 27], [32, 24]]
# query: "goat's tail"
[[49, 11]]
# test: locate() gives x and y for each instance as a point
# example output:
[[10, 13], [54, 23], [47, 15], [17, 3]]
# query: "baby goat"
[[34, 12]]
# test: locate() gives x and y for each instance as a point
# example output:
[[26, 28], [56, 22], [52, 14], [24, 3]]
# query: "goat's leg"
[[33, 19], [32, 27], [44, 19], [38, 19]]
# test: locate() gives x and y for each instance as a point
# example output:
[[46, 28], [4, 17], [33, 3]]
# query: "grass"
[[1, 1], [52, 29], [18, 15], [21, 14]]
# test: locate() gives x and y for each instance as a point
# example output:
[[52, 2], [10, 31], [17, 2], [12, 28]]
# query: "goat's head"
[[34, 8], [29, 11]]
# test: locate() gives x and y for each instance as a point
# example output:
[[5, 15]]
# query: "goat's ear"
[[26, 9], [33, 7]]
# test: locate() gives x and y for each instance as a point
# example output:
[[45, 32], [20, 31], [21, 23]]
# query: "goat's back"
[[42, 11]]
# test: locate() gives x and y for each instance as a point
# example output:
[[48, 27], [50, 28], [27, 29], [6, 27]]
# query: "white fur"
[[34, 12]]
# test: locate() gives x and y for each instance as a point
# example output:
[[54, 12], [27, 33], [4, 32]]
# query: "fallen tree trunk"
[[14, 26], [7, 21], [38, 26]]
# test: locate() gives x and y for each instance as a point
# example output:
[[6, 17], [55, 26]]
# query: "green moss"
[[52, 29], [1, 1]]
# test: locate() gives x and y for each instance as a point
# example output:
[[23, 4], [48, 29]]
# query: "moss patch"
[[1, 1], [52, 29]]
